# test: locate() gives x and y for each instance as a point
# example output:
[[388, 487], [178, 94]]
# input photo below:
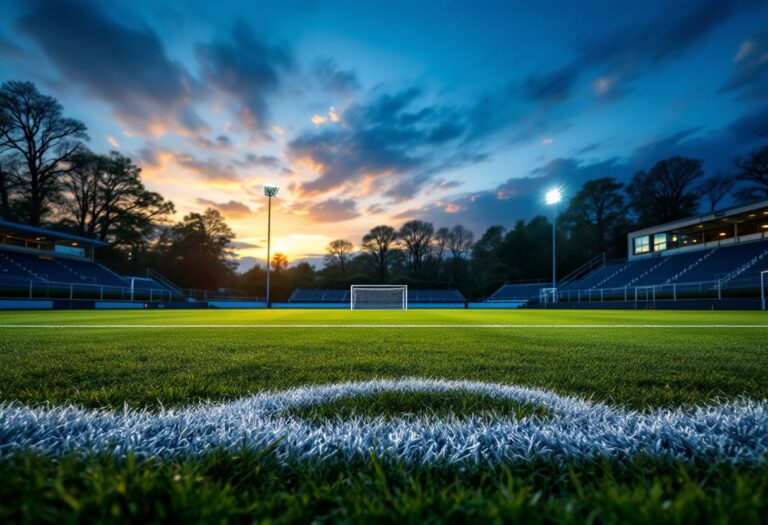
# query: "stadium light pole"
[[270, 190], [553, 198]]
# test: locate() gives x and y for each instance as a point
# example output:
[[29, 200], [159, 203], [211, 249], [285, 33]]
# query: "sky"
[[369, 113]]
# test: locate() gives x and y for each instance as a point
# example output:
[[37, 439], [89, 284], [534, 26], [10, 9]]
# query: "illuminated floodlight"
[[271, 190], [554, 196]]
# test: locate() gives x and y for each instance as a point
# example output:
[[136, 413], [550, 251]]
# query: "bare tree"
[[417, 236], [442, 237], [716, 188], [460, 241], [754, 172], [32, 126], [379, 243], [107, 200], [338, 253], [666, 192]]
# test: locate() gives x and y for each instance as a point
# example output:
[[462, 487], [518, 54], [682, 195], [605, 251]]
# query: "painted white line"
[[326, 326], [572, 428]]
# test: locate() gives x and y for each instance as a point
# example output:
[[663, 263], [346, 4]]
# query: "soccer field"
[[267, 373]]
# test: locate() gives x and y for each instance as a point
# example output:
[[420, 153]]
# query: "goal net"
[[378, 297]]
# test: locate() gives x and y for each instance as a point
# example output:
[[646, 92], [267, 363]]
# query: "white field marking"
[[381, 325], [570, 429]]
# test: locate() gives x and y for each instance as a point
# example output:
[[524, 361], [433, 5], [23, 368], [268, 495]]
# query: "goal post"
[[378, 297]]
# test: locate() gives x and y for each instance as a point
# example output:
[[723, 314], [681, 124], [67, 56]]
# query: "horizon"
[[363, 116]]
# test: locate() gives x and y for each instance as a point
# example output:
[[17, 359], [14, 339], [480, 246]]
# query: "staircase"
[[690, 266]]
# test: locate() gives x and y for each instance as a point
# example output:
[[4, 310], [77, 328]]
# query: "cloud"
[[615, 60], [113, 141], [332, 210], [12, 51], [240, 245], [750, 74], [522, 198], [231, 210], [268, 161], [330, 78], [125, 66], [219, 143], [246, 69], [211, 169], [391, 144]]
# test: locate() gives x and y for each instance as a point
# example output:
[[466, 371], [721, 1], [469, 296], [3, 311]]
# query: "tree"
[[665, 193], [379, 245], [34, 130], [459, 242], [717, 187], [442, 238], [753, 171], [417, 236], [107, 200], [338, 253], [599, 207], [279, 262], [196, 251]]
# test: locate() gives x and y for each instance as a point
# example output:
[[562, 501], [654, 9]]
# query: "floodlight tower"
[[270, 190], [553, 198]]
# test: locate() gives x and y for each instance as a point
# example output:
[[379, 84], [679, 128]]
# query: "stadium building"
[[715, 260], [43, 268]]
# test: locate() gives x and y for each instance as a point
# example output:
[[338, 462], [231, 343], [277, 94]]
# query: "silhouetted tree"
[[379, 244], [34, 130], [667, 192], [106, 199], [598, 207], [417, 237], [716, 188], [753, 172], [279, 262], [337, 253]]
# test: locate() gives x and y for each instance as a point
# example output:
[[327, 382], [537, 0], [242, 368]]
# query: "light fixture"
[[270, 190], [722, 234], [764, 226], [553, 196]]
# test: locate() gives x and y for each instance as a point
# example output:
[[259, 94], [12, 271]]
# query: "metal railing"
[[21, 288], [711, 289]]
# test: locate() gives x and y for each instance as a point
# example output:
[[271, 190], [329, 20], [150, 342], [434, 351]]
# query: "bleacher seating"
[[518, 292], [342, 296], [741, 262], [59, 270]]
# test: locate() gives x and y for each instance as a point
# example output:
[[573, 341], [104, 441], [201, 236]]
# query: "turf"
[[638, 368], [146, 367], [427, 405]]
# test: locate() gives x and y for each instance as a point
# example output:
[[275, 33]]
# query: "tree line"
[[49, 177]]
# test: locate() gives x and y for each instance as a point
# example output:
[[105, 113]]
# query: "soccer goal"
[[378, 297]]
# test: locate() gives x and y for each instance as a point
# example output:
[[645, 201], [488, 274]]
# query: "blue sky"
[[368, 113]]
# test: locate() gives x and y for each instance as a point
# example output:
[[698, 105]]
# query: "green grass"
[[429, 405], [633, 367], [636, 368]]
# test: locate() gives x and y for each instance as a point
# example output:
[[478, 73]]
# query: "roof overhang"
[[13, 227]]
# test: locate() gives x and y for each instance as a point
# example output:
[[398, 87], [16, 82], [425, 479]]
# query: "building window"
[[659, 242], [642, 244]]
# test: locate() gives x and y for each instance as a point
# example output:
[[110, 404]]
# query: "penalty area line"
[[407, 326]]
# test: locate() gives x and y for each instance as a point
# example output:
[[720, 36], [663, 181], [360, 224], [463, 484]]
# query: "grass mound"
[[411, 405]]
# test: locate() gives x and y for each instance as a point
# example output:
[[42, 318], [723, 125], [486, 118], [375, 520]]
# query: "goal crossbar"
[[378, 297]]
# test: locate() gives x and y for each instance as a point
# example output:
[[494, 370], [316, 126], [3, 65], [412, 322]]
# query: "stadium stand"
[[41, 263], [342, 296], [518, 292], [721, 251]]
